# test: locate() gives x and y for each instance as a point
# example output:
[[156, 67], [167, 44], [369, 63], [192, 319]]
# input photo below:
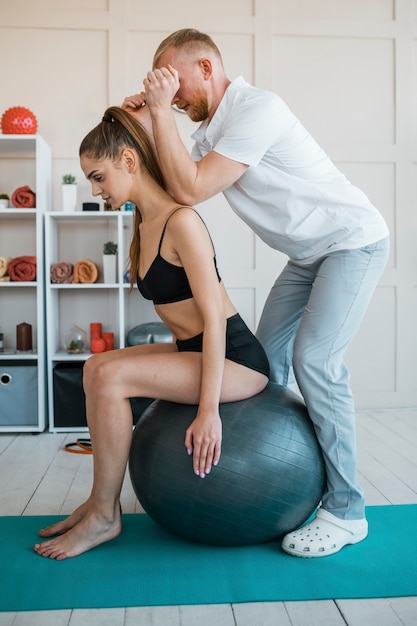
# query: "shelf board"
[[12, 355], [84, 285], [16, 284], [62, 356], [18, 213], [86, 215], [17, 146]]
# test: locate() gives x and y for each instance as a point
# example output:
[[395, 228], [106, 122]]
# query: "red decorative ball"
[[97, 345], [19, 121]]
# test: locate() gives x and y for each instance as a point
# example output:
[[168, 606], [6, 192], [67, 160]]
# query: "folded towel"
[[22, 269], [24, 198], [62, 272], [4, 279], [4, 262], [85, 271]]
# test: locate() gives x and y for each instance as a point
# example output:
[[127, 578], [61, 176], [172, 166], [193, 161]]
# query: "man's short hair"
[[189, 39]]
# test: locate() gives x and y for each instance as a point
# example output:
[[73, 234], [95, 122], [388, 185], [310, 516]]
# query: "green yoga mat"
[[146, 566]]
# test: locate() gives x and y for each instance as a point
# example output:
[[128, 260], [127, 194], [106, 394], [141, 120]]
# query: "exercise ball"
[[269, 480], [150, 332]]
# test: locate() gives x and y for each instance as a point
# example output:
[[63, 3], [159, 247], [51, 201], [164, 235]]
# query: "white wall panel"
[[340, 88], [40, 76], [187, 7], [244, 301], [371, 356], [234, 241], [414, 88], [334, 9], [413, 360], [238, 54], [80, 6]]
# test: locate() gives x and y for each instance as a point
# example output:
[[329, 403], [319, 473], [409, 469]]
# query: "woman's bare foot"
[[91, 531], [69, 522]]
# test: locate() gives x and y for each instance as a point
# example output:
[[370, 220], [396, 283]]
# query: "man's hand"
[[161, 87]]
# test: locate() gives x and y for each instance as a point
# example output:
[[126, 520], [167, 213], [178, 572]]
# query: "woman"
[[173, 262]]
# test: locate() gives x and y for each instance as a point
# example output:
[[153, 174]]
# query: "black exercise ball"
[[269, 480]]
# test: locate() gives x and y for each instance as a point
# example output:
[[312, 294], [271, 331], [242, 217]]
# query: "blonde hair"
[[189, 40], [117, 131]]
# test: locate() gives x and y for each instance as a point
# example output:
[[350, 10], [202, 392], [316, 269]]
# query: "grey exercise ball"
[[269, 480]]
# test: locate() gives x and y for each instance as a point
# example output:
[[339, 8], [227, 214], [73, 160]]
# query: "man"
[[275, 176]]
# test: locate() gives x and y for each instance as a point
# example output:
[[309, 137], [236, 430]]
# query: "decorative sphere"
[[269, 480], [19, 121], [97, 345]]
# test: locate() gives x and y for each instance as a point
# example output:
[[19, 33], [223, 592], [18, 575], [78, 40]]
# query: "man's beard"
[[199, 111]]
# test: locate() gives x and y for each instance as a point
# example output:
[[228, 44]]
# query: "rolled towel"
[[22, 269], [85, 271], [4, 262], [62, 272], [24, 198]]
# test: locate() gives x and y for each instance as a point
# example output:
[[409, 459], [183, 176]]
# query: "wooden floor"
[[38, 478]]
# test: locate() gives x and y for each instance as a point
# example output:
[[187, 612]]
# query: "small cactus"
[[68, 179], [110, 247]]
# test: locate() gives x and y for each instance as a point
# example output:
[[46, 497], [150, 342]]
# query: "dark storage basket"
[[69, 397]]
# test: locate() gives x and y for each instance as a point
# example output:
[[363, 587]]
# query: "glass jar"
[[75, 340]]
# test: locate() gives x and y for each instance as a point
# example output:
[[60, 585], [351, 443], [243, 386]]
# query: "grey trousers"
[[310, 317]]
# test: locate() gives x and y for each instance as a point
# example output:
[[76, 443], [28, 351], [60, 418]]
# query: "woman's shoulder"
[[183, 215], [186, 222]]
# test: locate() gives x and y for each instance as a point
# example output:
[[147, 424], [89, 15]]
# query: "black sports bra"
[[164, 282]]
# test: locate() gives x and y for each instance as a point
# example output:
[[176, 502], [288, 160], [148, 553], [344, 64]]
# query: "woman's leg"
[[110, 380]]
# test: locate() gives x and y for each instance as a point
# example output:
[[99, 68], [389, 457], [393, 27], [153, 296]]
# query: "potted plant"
[[109, 261], [4, 201], [69, 192]]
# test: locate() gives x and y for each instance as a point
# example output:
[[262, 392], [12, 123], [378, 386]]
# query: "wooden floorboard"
[[38, 478]]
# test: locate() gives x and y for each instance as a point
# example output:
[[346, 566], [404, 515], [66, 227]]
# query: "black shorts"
[[241, 346]]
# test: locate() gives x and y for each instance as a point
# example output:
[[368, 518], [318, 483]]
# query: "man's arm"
[[188, 181]]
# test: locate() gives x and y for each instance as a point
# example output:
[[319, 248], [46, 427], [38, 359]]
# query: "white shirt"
[[291, 195]]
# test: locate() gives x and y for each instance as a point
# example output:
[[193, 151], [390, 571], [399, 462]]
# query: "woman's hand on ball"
[[203, 439]]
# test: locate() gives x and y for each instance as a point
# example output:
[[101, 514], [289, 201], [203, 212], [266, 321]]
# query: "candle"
[[109, 339], [95, 330], [24, 337]]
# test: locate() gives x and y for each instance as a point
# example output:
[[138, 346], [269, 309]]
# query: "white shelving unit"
[[72, 237], [24, 160]]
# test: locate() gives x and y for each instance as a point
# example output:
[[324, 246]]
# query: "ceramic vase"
[[69, 197], [109, 268]]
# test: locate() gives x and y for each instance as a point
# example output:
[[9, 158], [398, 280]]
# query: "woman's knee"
[[98, 375]]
